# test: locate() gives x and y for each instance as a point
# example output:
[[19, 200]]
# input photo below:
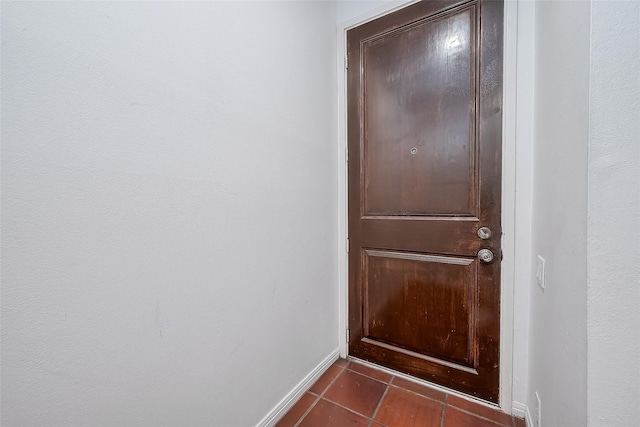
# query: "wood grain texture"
[[424, 135], [418, 148]]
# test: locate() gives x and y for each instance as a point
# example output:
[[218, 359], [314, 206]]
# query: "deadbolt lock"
[[484, 233]]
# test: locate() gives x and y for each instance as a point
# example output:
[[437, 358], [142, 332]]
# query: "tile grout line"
[[346, 408], [422, 385], [418, 394], [390, 383], [444, 409], [315, 402], [307, 411], [369, 376], [498, 423], [393, 377], [322, 396], [375, 412]]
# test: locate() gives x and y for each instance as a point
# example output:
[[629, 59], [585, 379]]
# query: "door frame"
[[508, 189]]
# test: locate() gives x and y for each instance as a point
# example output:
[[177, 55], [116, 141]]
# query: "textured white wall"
[[614, 211], [168, 209], [558, 334]]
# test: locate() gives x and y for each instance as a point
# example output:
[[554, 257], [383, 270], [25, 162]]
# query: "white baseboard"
[[292, 397], [522, 411]]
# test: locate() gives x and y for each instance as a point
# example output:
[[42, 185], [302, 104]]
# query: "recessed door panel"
[[421, 303], [419, 109]]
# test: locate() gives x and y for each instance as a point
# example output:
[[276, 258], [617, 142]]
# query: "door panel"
[[419, 108], [421, 303], [424, 139]]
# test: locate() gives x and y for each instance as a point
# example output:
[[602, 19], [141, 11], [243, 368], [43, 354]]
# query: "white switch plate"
[[540, 272], [539, 407]]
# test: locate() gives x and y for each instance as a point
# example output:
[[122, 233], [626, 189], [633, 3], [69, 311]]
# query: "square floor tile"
[[297, 411], [326, 414], [480, 410], [456, 418], [325, 379], [370, 372], [425, 391], [351, 393], [357, 392], [401, 408], [341, 362]]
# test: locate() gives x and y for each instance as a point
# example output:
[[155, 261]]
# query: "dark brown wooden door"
[[424, 140]]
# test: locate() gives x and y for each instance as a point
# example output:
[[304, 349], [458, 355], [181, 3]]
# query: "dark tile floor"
[[353, 394]]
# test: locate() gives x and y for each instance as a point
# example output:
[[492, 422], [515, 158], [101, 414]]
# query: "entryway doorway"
[[424, 91]]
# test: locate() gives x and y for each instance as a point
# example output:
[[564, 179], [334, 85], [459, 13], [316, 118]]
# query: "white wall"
[[614, 209], [558, 327], [169, 208], [347, 10], [525, 74]]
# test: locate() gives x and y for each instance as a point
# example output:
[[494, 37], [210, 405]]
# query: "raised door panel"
[[420, 304], [419, 118]]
